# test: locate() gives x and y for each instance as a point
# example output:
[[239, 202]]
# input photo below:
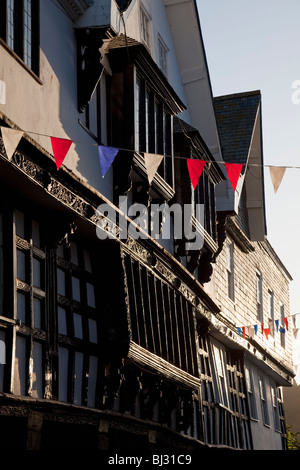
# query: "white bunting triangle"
[[152, 162], [11, 139], [276, 173]]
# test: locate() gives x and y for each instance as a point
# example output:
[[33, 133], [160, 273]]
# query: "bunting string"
[[61, 146], [252, 330]]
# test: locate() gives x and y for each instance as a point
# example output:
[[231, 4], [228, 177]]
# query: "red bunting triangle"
[[267, 332], [286, 323], [233, 173], [195, 168], [60, 149]]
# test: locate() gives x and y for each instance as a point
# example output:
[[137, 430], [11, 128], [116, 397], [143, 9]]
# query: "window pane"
[[37, 311], [77, 326], [21, 307], [10, 23], [2, 358], [93, 331], [78, 378], [21, 265], [61, 282], [37, 372], [20, 223], [92, 381], [20, 367], [74, 254], [62, 321], [137, 114], [27, 32], [75, 289], [90, 292], [63, 359], [37, 273], [60, 251], [36, 234], [87, 261]]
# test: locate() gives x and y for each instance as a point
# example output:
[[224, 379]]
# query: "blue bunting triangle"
[[107, 156]]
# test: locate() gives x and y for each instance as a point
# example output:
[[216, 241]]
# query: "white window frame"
[[220, 368], [145, 24], [282, 325], [163, 55], [271, 311], [230, 269], [250, 393], [259, 296], [264, 402]]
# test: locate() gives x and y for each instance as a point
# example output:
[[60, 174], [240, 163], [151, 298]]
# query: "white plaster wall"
[[49, 108]]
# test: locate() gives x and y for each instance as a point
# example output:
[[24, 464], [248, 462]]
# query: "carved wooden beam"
[[75, 8]]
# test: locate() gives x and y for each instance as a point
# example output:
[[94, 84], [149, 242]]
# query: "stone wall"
[[242, 310]]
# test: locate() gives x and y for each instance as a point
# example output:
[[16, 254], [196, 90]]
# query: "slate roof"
[[121, 40], [235, 116]]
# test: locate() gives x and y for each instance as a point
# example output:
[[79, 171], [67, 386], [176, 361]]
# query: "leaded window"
[[19, 29], [225, 416], [30, 339], [162, 319], [153, 127], [77, 325], [48, 320]]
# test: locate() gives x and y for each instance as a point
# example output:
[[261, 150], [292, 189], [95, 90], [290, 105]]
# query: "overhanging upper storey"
[[240, 131], [75, 8]]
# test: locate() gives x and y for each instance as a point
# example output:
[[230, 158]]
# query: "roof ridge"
[[244, 94]]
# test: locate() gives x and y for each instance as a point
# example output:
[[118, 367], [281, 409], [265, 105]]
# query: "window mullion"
[[19, 28]]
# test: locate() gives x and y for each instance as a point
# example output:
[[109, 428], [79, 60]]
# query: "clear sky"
[[255, 45]]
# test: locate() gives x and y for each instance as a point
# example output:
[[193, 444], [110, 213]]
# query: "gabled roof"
[[238, 119], [236, 115]]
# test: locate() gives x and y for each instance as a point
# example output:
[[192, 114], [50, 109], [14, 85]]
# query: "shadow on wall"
[[60, 84]]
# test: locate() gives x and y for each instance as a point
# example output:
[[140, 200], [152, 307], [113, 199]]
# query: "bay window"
[[153, 127]]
